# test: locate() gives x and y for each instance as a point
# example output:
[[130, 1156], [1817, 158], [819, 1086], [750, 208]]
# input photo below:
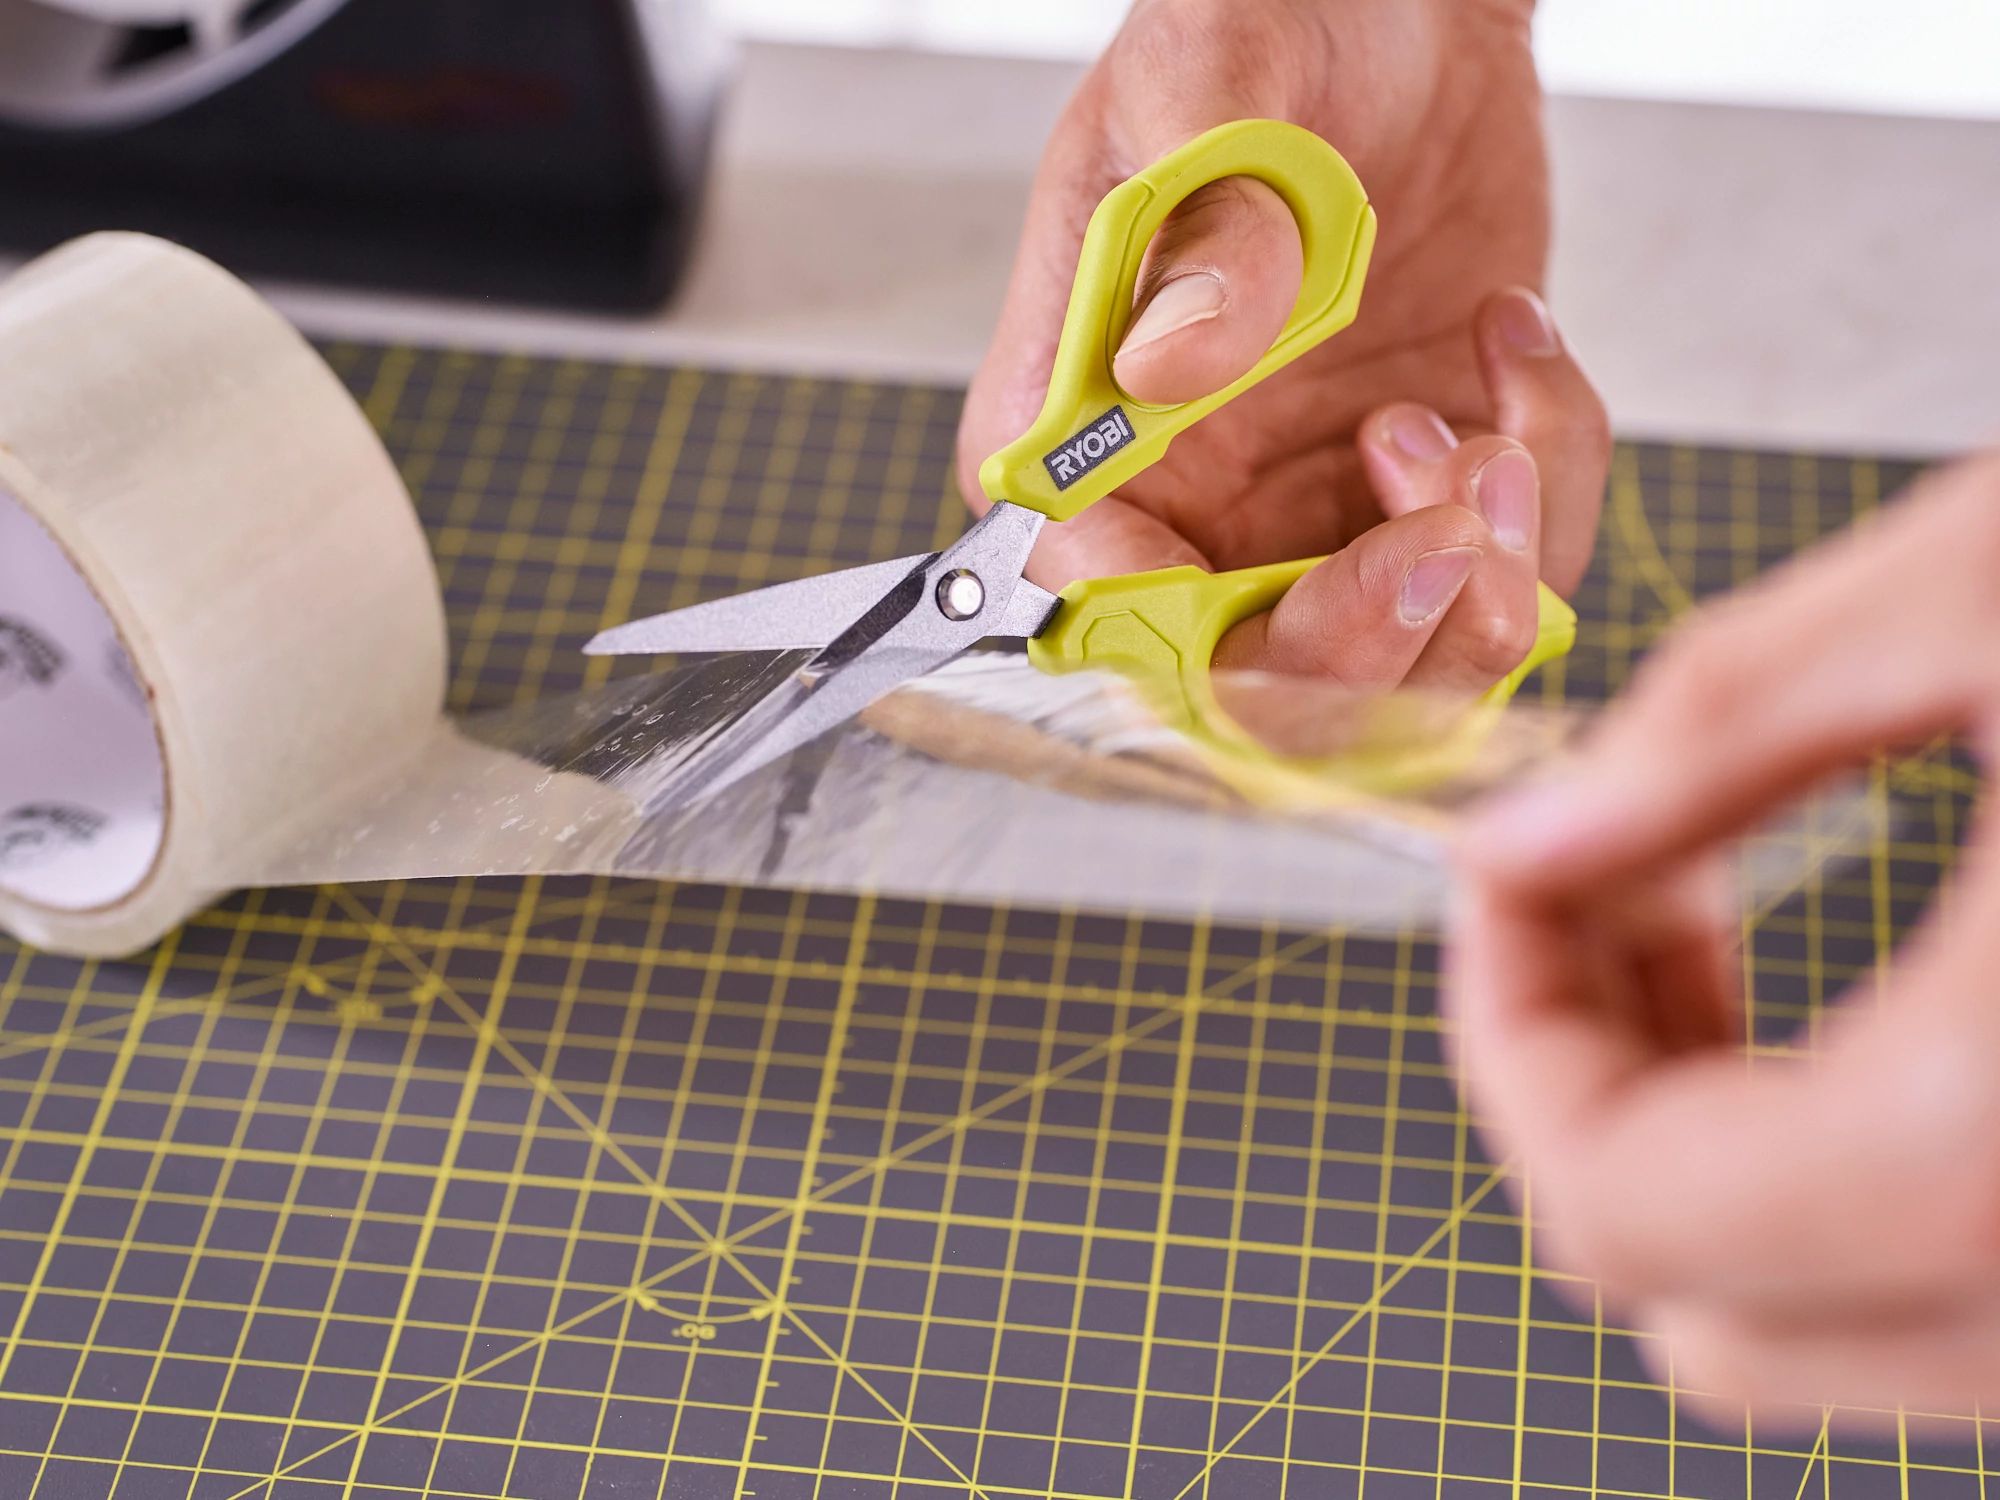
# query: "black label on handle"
[[1089, 448]]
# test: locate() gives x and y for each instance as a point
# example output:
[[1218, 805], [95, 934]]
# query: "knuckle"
[[1585, 1243], [1593, 427], [1959, 502], [1715, 1389], [1453, 526], [1498, 640], [1382, 557], [1977, 479], [1975, 1237], [1976, 487], [1948, 1128], [1581, 1235], [966, 475], [1574, 419], [1214, 49], [1708, 1367], [1978, 1187], [1237, 220]]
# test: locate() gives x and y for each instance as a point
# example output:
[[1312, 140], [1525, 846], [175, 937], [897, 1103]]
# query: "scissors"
[[876, 627]]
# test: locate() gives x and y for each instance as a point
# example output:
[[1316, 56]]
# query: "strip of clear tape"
[[222, 654], [987, 782]]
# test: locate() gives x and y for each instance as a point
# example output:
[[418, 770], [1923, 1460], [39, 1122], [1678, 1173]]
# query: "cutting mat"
[[558, 1189]]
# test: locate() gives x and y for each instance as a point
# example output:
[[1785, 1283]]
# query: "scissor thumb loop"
[[1219, 285]]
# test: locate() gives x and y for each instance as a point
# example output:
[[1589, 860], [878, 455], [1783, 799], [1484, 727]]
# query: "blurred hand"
[[1446, 447], [1824, 1231]]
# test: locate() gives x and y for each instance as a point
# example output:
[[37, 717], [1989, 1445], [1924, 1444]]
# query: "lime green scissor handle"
[[1161, 628], [1091, 436]]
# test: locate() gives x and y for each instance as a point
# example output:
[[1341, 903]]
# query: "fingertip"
[[1515, 323], [1223, 277], [1401, 446], [1466, 971], [1434, 580], [1538, 834], [1409, 432], [1153, 356], [1540, 395], [1516, 829], [1363, 616], [1507, 490], [1190, 350]]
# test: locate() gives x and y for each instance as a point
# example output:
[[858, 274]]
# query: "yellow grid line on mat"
[[567, 1189]]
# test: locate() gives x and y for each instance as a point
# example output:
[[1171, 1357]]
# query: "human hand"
[[1823, 1231], [1446, 448]]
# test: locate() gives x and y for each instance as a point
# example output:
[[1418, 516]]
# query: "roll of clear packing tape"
[[212, 559], [223, 664]]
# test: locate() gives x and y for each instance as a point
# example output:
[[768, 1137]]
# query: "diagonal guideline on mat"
[[1081, 1206], [722, 1247]]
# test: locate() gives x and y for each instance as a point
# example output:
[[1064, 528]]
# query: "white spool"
[[66, 64], [200, 15]]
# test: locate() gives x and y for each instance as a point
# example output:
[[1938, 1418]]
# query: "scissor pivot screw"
[[960, 594]]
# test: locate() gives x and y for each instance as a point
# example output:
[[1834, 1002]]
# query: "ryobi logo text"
[[1089, 448]]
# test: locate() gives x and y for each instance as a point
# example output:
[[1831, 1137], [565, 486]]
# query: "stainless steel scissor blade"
[[801, 615], [939, 607]]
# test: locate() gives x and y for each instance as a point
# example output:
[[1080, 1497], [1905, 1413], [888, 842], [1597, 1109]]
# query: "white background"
[[1922, 57]]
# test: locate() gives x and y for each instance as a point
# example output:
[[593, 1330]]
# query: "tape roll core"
[[82, 775]]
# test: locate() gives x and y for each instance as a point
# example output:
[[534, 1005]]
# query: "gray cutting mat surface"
[[573, 1189]]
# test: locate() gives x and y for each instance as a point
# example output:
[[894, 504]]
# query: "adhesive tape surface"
[[223, 664], [250, 545]]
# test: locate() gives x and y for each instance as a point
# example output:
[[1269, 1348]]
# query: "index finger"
[[1867, 1172], [1866, 641]]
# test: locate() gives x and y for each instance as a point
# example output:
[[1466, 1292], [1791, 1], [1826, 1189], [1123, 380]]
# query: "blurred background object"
[[1773, 221], [525, 150], [1921, 57]]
